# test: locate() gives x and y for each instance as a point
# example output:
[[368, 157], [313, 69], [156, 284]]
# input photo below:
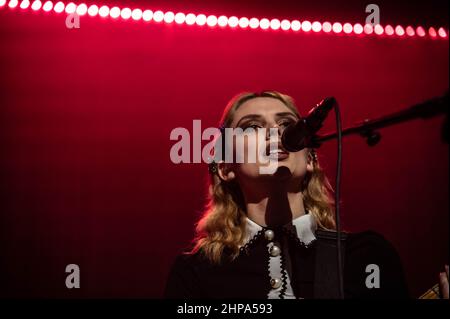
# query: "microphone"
[[301, 134]]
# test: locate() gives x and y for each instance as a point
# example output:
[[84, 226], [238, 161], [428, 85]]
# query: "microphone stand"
[[367, 129]]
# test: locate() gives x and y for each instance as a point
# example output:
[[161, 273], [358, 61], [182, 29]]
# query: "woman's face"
[[266, 112]]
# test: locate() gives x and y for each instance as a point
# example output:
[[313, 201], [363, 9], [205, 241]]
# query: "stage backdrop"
[[85, 120]]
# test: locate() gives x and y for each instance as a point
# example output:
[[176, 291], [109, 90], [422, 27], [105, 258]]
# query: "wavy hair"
[[222, 225]]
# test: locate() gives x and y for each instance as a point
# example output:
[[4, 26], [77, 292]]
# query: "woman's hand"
[[443, 283]]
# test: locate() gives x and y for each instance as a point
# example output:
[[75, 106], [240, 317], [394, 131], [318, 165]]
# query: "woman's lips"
[[278, 155]]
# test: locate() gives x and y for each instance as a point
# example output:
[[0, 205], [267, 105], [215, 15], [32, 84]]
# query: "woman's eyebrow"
[[283, 114], [249, 116]]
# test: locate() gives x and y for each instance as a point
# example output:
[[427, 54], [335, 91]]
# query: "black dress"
[[249, 275]]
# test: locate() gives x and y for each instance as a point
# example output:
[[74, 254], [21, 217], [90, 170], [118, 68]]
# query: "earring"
[[212, 167]]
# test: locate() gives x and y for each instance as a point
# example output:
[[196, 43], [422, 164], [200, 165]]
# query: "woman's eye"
[[286, 123], [252, 126]]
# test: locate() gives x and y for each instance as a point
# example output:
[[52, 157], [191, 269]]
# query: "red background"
[[86, 115]]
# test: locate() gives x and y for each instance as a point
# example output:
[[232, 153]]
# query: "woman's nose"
[[277, 130]]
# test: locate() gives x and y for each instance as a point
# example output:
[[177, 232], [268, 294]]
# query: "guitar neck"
[[432, 293]]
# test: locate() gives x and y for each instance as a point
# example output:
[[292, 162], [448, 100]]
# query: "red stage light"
[[285, 25], [169, 17], [295, 25], [378, 29], [71, 7], [2, 3], [244, 22], [211, 21], [432, 32], [13, 3], [93, 10], [442, 33], [306, 26], [348, 28], [264, 23], [337, 27], [399, 30], [358, 28], [316, 26], [48, 6], [59, 7], [222, 21], [190, 19], [136, 14], [103, 11], [326, 27], [275, 24], [368, 29], [36, 5], [420, 31], [389, 30], [147, 15], [23, 5], [410, 31], [200, 19], [158, 16], [232, 22], [114, 12], [179, 17], [253, 23]]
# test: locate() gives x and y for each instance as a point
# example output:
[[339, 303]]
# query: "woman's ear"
[[310, 162], [225, 171]]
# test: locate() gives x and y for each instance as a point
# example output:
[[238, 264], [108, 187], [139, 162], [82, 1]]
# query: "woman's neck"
[[277, 206]]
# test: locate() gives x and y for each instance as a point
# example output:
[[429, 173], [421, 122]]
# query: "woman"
[[258, 235]]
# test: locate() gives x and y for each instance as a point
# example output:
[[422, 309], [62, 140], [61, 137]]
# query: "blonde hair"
[[222, 226]]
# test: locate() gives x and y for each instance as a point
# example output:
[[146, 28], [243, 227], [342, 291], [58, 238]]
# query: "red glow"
[[253, 23], [232, 22], [378, 29], [93, 10], [399, 30], [36, 5], [442, 33], [200, 19], [211, 21], [316, 26], [347, 28], [295, 25], [169, 17], [306, 26], [326, 27], [275, 24], [432, 32], [410, 31], [158, 16], [190, 19], [389, 30], [48, 6], [222, 21], [368, 29], [358, 28], [420, 31], [179, 18], [114, 12], [264, 23], [13, 3], [136, 14], [243, 22], [147, 15], [285, 25], [103, 11], [71, 7], [337, 27], [59, 7], [23, 5]]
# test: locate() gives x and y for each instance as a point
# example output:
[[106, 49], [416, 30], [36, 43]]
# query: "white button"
[[274, 251], [275, 283], [269, 234]]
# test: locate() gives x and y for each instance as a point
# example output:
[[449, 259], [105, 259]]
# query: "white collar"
[[305, 226]]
